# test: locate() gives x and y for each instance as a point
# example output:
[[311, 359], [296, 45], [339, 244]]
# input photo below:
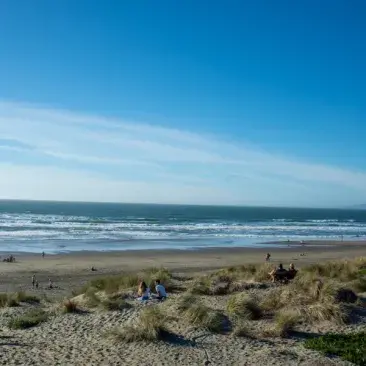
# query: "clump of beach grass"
[[115, 304], [8, 300], [244, 306], [285, 322], [26, 298], [28, 320], [70, 306], [343, 271], [117, 283], [242, 329], [199, 315], [201, 286], [150, 327]]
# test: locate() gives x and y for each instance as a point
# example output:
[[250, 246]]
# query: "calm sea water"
[[27, 226]]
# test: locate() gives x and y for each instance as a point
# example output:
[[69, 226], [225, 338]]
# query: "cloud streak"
[[108, 159]]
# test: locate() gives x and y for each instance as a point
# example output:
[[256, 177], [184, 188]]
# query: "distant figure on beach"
[[93, 269], [160, 290], [43, 254], [143, 291], [50, 284], [37, 284], [291, 273], [268, 257], [33, 280]]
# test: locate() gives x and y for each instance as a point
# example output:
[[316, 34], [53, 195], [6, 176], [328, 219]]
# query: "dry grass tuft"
[[200, 315], [150, 327], [201, 286], [242, 329], [332, 312], [115, 304], [69, 306], [244, 306]]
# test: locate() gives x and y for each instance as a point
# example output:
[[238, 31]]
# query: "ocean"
[[55, 227]]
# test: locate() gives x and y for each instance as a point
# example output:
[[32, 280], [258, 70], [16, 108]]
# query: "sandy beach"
[[84, 337], [70, 271]]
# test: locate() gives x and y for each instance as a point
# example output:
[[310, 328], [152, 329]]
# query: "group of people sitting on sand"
[[282, 274], [144, 292], [35, 283], [10, 259]]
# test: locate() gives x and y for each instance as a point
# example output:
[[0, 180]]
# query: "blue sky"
[[209, 102]]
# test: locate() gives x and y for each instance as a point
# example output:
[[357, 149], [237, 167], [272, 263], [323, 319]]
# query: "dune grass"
[[69, 306], [199, 315], [242, 329], [244, 306], [285, 322], [350, 347], [8, 300], [117, 283], [14, 299], [115, 304], [28, 320], [343, 271], [27, 298], [150, 327]]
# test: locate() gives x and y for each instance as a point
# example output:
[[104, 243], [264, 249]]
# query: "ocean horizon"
[[61, 227]]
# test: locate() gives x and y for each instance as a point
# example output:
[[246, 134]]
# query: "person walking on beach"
[[50, 284], [268, 257], [33, 280], [43, 254]]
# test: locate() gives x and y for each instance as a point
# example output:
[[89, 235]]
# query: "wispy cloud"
[[111, 159]]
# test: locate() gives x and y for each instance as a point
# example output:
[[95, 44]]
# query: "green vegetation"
[[14, 299], [350, 347], [24, 297], [28, 320]]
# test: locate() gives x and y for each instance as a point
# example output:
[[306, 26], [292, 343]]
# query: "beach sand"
[[80, 339], [70, 271]]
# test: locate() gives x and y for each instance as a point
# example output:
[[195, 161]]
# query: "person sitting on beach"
[[277, 273], [160, 290], [291, 273], [143, 291]]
